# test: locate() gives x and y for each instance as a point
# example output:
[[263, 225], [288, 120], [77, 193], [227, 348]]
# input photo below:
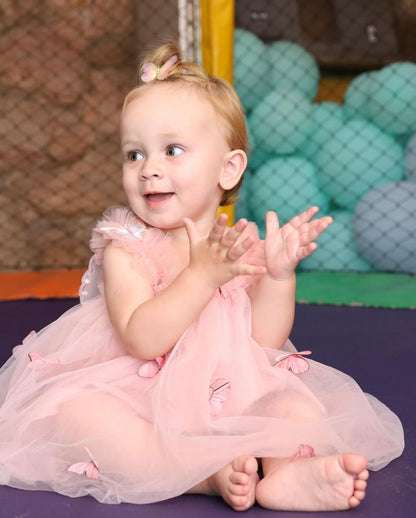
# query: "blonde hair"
[[217, 91]]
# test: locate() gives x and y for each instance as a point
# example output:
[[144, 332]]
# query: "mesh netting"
[[64, 71], [329, 88]]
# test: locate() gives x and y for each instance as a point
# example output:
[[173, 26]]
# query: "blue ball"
[[336, 248], [358, 96], [327, 119], [287, 186], [292, 68], [385, 227], [281, 122], [410, 157], [356, 159], [250, 68], [392, 103]]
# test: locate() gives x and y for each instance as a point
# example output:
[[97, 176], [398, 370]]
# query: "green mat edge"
[[389, 290]]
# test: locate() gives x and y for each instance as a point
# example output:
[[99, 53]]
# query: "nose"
[[151, 169]]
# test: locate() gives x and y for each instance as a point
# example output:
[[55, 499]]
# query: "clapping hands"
[[286, 246]]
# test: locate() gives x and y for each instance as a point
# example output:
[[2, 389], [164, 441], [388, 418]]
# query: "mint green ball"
[[250, 68], [327, 119], [292, 67], [287, 186], [336, 248], [385, 227], [358, 158], [392, 104], [281, 122]]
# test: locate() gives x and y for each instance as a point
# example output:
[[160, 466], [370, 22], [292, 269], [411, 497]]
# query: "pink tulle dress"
[[79, 416]]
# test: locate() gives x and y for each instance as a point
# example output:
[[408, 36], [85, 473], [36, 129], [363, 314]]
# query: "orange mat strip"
[[40, 285]]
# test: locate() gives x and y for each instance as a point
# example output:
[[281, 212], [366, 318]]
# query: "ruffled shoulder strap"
[[124, 229], [119, 226]]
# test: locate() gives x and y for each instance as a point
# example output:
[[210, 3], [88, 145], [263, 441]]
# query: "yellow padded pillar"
[[217, 30]]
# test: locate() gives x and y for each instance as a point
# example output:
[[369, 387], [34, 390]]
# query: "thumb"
[[272, 223]]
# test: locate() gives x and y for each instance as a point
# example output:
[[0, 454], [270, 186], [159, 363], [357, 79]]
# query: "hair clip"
[[151, 71]]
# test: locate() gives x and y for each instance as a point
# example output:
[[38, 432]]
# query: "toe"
[[360, 485], [237, 490]]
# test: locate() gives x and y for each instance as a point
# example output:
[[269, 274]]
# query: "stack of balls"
[[356, 160]]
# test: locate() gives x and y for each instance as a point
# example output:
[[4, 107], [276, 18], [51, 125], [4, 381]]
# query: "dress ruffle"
[[77, 418]]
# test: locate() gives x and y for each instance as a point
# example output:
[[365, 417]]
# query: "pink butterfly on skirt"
[[218, 393], [46, 361], [152, 367], [304, 450], [89, 468], [293, 362]]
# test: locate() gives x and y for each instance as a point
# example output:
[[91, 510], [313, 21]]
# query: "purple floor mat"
[[375, 346]]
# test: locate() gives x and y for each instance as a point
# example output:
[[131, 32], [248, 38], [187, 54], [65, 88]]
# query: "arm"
[[150, 325], [273, 299]]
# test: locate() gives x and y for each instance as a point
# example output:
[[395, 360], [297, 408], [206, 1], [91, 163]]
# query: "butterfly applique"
[[293, 362], [33, 357], [152, 367], [218, 393], [90, 469], [304, 450], [151, 71]]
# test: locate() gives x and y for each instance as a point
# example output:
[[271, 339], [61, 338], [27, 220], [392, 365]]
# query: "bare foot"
[[236, 483], [328, 483]]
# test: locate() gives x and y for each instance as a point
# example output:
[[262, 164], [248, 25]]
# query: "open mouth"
[[158, 197]]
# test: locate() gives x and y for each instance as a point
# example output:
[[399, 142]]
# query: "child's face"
[[173, 154]]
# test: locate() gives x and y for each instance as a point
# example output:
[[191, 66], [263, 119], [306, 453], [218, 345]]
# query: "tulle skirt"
[[78, 419]]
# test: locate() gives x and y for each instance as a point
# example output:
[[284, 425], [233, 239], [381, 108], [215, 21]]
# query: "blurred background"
[[329, 91]]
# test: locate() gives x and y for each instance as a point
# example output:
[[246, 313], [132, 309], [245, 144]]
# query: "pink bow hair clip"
[[151, 71], [294, 362]]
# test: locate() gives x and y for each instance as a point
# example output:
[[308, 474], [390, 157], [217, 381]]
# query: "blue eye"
[[174, 151], [134, 156]]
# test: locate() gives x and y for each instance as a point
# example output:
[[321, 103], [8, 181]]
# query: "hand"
[[286, 246], [216, 257]]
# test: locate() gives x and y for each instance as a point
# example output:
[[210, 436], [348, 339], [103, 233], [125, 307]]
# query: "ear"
[[235, 163]]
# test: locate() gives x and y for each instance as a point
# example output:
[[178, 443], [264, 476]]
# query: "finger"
[[272, 224], [218, 229], [235, 252], [304, 217], [248, 269], [231, 237], [314, 229], [306, 251]]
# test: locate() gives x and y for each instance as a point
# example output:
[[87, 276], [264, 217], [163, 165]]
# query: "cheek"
[[128, 180]]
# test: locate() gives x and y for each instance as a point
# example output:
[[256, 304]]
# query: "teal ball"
[[250, 68], [292, 67], [392, 103], [385, 227], [336, 248], [358, 158], [256, 155], [287, 186], [358, 95], [281, 122], [327, 119]]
